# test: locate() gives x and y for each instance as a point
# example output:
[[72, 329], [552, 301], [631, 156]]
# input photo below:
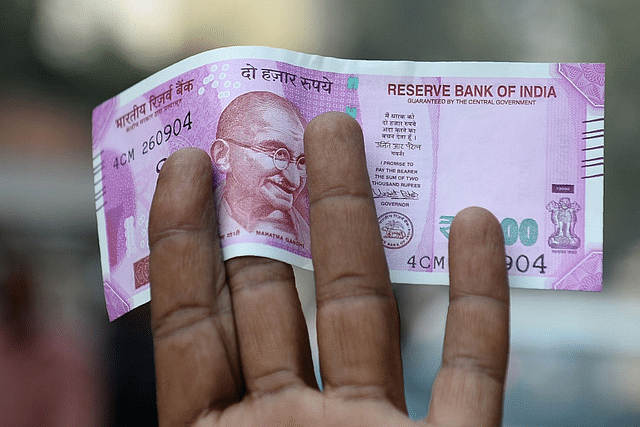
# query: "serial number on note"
[[156, 139]]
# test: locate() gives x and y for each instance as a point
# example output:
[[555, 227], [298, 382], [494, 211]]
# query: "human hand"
[[230, 339]]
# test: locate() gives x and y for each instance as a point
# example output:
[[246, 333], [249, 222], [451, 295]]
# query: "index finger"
[[194, 336]]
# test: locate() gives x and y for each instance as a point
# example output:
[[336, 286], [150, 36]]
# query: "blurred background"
[[575, 358]]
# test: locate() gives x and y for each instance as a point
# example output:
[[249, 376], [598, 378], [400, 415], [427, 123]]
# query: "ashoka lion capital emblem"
[[564, 218]]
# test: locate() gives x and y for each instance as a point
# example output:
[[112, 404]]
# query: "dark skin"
[[230, 339]]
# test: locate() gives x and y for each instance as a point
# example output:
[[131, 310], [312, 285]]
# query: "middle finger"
[[357, 317]]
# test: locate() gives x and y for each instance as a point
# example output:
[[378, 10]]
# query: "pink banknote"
[[525, 141]]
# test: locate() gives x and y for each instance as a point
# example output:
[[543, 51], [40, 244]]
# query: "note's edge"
[[331, 64], [256, 249]]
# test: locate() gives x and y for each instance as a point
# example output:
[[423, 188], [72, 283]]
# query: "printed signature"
[[394, 194]]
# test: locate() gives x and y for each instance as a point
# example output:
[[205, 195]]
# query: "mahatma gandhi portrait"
[[259, 148]]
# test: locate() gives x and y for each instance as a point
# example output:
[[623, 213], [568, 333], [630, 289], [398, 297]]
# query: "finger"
[[469, 387], [357, 317], [195, 347], [272, 332]]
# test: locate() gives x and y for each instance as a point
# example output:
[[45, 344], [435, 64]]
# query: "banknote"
[[524, 140]]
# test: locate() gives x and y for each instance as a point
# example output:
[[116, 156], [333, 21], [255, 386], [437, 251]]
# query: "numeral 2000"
[[527, 231]]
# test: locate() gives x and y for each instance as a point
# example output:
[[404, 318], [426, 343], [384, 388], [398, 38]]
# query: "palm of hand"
[[230, 339]]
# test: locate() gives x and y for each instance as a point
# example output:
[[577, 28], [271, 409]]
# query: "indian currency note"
[[523, 140]]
